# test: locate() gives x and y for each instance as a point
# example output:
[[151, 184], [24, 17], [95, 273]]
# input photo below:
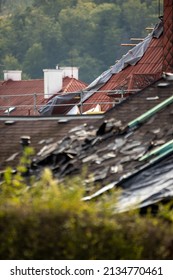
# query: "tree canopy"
[[37, 34]]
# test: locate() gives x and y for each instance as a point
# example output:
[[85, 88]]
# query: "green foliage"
[[30, 64], [8, 6], [36, 34], [46, 219], [10, 62]]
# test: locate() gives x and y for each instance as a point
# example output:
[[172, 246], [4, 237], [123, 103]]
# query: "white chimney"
[[71, 72], [14, 75], [53, 81]]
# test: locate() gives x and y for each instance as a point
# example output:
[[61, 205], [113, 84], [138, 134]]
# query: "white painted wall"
[[15, 75]]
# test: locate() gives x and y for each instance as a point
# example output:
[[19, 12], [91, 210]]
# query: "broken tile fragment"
[[12, 157]]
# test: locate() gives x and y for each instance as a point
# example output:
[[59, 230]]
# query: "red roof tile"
[[150, 64], [20, 94], [157, 58], [147, 70], [72, 85]]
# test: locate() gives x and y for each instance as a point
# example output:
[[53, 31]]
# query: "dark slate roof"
[[142, 101]]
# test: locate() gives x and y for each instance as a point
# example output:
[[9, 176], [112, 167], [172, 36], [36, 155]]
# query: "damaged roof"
[[42, 131], [116, 154], [118, 150], [137, 69], [143, 64]]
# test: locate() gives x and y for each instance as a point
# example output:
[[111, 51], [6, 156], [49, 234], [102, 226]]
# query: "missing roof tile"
[[12, 157]]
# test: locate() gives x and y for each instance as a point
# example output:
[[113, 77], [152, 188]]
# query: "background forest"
[[38, 34]]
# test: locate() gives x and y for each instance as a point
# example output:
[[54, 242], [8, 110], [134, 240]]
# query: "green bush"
[[46, 219]]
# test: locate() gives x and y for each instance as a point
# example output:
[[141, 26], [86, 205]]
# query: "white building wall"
[[14, 75]]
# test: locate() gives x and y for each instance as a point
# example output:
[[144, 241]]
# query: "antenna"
[[72, 62]]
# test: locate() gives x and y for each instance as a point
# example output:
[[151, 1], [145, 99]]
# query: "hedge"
[[46, 219]]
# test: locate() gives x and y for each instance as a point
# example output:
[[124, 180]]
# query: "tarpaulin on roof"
[[131, 58], [47, 109], [148, 187]]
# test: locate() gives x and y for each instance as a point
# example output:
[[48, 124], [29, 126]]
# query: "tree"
[[35, 61], [94, 29], [135, 17], [77, 26], [10, 62], [90, 67], [1, 5], [106, 18]]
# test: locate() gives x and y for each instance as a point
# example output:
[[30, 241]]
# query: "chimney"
[[14, 75], [71, 72], [168, 36], [25, 141], [53, 81]]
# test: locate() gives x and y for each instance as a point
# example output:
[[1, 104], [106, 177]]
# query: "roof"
[[115, 154], [72, 85], [157, 58], [119, 149], [43, 131], [21, 93], [28, 95], [134, 77], [60, 104], [142, 101], [140, 67]]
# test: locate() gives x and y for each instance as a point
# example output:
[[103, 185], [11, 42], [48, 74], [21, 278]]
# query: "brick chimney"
[[168, 36]]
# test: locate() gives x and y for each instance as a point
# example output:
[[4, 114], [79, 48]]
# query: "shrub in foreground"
[[49, 220]]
